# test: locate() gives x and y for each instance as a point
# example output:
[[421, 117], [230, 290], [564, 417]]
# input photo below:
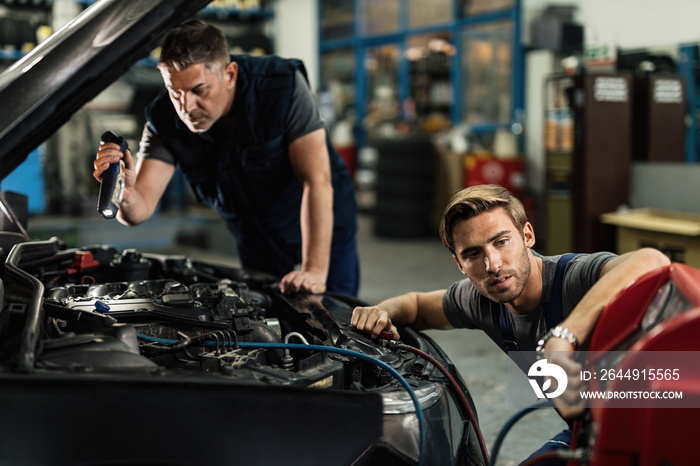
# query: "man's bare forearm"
[[317, 229], [134, 210], [418, 310], [402, 309], [617, 274]]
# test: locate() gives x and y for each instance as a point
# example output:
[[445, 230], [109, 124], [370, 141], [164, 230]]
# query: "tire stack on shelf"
[[405, 187]]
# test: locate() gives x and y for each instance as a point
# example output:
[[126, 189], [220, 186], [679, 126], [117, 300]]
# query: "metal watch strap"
[[557, 332]]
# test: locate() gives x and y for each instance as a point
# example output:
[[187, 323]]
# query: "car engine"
[[129, 311]]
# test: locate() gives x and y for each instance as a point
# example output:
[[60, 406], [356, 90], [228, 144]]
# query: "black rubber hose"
[[509, 425], [264, 334]]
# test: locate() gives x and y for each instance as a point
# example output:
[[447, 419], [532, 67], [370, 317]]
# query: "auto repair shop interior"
[[586, 110]]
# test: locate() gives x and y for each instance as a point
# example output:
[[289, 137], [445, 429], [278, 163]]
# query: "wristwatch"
[[557, 332]]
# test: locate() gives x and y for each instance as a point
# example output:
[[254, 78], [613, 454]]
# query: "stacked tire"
[[405, 187]]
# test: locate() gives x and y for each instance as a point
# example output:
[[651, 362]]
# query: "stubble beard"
[[519, 276], [197, 128]]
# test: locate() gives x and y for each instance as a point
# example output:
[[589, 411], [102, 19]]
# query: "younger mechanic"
[[247, 134], [487, 231]]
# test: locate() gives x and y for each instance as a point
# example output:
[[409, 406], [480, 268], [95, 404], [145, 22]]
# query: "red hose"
[[460, 394]]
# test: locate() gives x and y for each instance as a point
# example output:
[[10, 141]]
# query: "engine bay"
[[102, 310]]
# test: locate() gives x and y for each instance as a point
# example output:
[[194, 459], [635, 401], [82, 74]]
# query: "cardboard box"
[[675, 234]]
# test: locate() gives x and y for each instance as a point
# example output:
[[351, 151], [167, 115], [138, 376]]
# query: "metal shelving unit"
[[351, 34]]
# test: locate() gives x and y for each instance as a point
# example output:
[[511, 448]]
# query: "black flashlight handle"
[[112, 184]]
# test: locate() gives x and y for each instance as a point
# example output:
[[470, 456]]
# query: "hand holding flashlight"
[[112, 184]]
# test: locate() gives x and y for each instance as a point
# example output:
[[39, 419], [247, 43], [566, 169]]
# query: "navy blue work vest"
[[243, 171]]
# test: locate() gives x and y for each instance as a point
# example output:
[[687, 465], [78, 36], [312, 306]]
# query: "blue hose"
[[329, 349]]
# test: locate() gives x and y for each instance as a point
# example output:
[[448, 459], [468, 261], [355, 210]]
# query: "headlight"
[[653, 313], [400, 422], [668, 302]]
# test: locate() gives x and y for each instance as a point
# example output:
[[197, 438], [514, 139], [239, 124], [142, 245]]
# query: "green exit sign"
[[599, 55]]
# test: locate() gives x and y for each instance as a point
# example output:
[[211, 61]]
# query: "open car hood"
[[40, 92]]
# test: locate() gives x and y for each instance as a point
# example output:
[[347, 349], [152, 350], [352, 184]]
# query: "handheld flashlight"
[[112, 184]]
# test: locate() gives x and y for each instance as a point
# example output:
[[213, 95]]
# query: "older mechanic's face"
[[493, 253], [199, 96]]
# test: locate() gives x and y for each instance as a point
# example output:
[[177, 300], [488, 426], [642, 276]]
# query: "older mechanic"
[[247, 135], [511, 292]]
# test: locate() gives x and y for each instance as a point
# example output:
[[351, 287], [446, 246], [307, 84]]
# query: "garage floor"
[[390, 267]]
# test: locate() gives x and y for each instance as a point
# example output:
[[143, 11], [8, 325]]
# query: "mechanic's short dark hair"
[[475, 200], [194, 42]]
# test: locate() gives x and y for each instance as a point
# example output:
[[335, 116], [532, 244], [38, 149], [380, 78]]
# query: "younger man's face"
[[493, 253]]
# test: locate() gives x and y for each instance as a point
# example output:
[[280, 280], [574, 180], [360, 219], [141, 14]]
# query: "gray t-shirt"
[[467, 308], [302, 119]]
